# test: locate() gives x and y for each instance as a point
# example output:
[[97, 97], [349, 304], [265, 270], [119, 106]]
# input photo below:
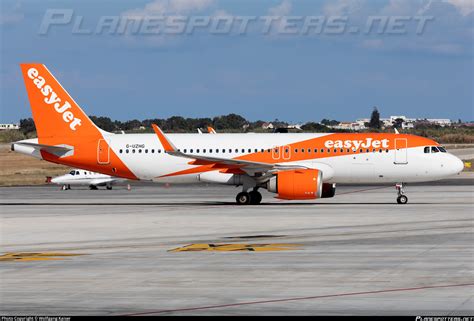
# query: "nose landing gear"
[[401, 199]]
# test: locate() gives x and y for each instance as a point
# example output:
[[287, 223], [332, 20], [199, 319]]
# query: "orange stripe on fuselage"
[[319, 143]]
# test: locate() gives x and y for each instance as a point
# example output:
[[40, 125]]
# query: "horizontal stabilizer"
[[59, 150]]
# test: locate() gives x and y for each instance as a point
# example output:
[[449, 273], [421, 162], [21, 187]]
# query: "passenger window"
[[256, 150], [191, 151], [210, 150], [296, 150], [197, 151], [322, 150], [126, 151], [236, 150], [152, 151], [133, 151], [204, 150], [77, 172], [217, 150], [85, 173], [315, 150], [230, 150], [249, 150], [342, 150], [223, 150], [262, 150], [434, 149], [159, 150], [120, 151], [335, 150], [380, 150], [185, 150], [146, 151]]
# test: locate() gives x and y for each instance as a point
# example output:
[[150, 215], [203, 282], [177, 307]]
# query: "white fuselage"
[[414, 165]]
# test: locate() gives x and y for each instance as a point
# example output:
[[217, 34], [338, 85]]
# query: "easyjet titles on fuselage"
[[356, 144]]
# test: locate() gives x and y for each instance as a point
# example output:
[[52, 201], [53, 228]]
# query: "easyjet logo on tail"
[[356, 144], [53, 99]]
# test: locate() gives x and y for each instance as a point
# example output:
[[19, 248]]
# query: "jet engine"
[[300, 184]]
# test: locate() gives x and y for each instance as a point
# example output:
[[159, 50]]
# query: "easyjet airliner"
[[294, 166]]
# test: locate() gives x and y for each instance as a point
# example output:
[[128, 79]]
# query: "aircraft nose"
[[457, 165]]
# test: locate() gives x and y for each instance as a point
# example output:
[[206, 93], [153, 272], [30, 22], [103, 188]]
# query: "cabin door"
[[401, 156]]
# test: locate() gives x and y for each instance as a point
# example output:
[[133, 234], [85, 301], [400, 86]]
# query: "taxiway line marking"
[[301, 299]]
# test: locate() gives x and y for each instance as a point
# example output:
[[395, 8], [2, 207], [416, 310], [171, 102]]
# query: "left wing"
[[230, 163]]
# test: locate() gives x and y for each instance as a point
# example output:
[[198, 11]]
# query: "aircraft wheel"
[[92, 187], [255, 197], [243, 198], [402, 199], [109, 187]]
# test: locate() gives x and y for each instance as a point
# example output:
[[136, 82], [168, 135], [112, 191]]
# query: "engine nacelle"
[[301, 184]]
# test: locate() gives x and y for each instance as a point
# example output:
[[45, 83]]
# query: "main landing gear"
[[401, 199], [252, 198]]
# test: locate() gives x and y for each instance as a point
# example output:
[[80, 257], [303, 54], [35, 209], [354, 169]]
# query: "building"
[[407, 122], [9, 126], [348, 126], [267, 126]]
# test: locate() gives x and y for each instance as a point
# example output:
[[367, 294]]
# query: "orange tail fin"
[[57, 116], [60, 121]]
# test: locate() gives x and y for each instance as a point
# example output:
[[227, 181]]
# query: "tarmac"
[[159, 250]]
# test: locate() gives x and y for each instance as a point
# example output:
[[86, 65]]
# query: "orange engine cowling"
[[300, 184]]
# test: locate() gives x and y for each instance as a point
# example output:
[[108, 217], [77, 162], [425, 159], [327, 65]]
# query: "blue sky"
[[289, 77]]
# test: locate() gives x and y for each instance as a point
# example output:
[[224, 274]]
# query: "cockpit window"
[[72, 172], [442, 149], [434, 149], [427, 150]]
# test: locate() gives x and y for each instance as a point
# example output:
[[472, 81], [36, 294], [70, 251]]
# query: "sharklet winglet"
[[167, 145]]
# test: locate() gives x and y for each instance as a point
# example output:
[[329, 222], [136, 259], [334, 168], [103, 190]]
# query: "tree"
[[375, 119], [314, 127], [27, 125], [328, 122], [231, 121], [104, 123], [397, 123]]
